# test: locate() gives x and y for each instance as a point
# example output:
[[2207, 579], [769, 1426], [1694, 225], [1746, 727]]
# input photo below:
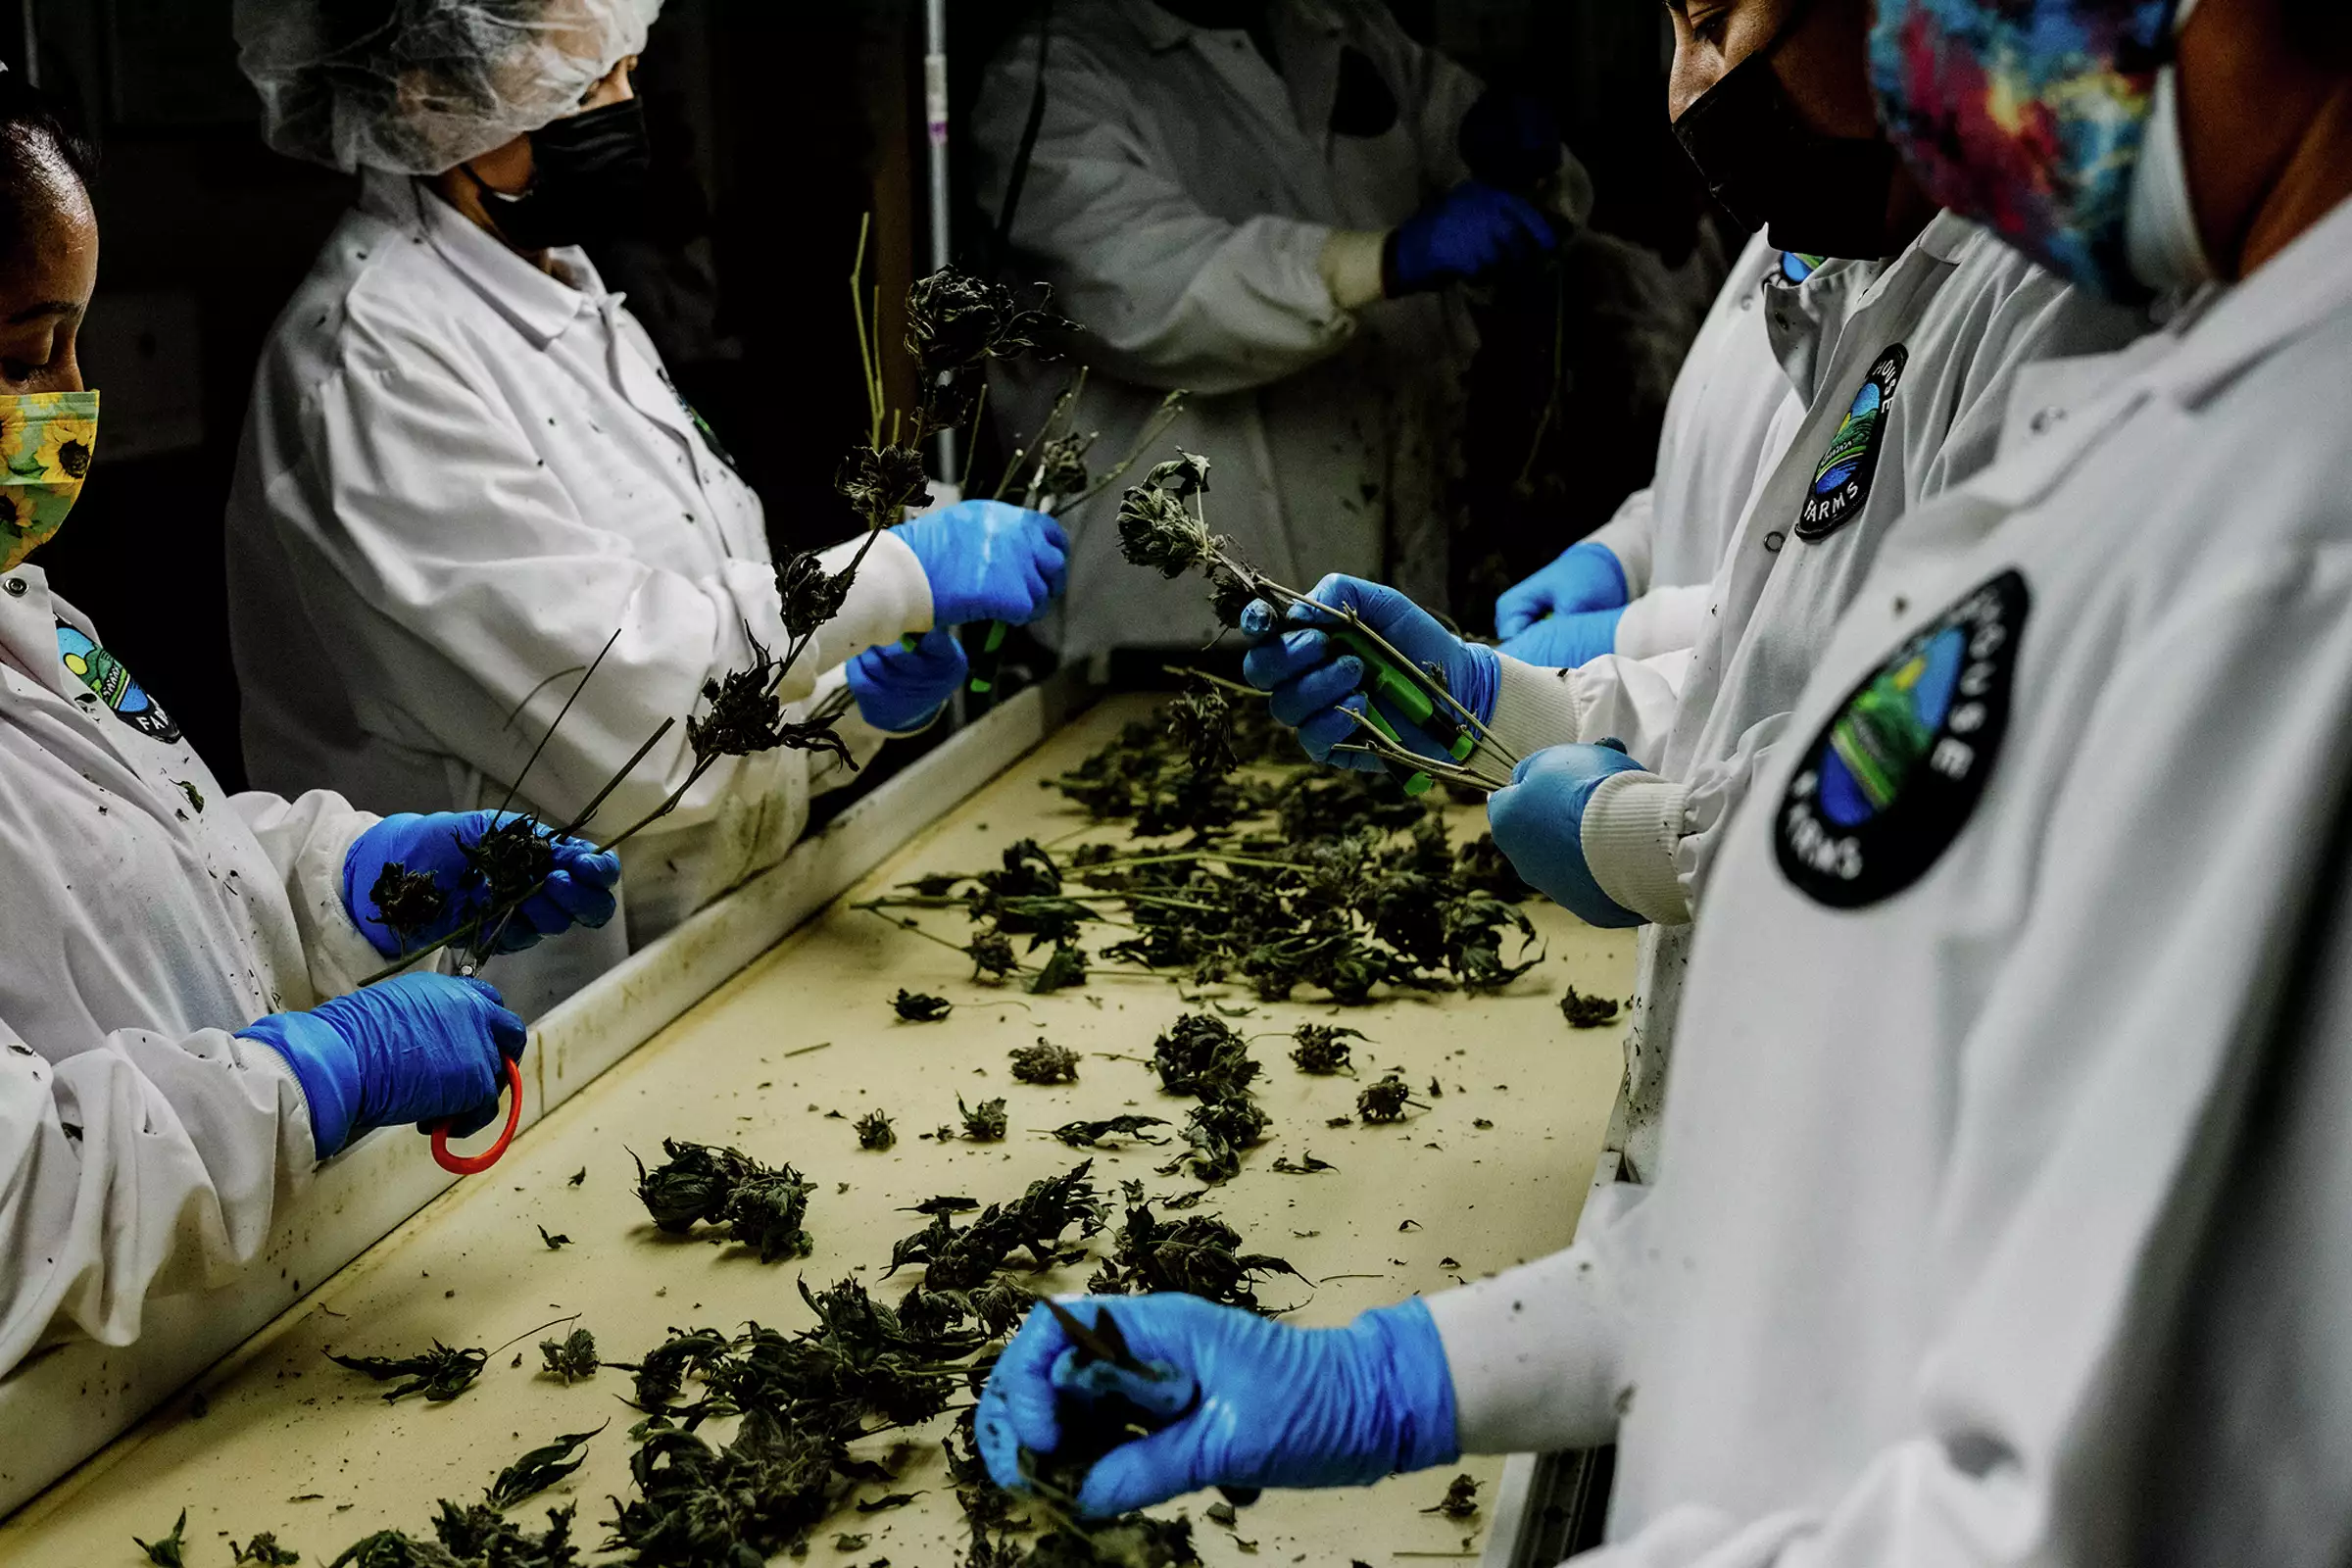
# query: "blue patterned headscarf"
[[2027, 115]]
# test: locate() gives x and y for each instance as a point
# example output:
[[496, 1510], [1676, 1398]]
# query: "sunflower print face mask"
[[46, 442]]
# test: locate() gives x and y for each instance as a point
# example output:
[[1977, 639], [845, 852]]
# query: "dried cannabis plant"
[[1588, 1012], [915, 1008], [1323, 1048], [874, 1131], [1045, 1063], [539, 1469], [440, 1374], [570, 1359]]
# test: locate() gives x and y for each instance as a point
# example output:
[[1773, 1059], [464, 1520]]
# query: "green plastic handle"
[[1384, 682]]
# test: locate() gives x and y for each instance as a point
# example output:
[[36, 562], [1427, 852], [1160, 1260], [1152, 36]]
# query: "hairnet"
[[419, 86]]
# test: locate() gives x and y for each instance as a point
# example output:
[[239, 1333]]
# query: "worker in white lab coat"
[[1915, 378], [182, 1036], [2002, 1225], [1263, 202], [465, 469]]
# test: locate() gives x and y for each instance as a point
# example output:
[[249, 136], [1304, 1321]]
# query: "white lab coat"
[[143, 1147], [1969, 313], [459, 475], [2001, 1221], [1178, 200]]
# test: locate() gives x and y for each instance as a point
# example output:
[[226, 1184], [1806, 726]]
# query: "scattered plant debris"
[[166, 1550], [469, 1535], [440, 1374], [915, 1008], [1588, 1012], [553, 1243], [1460, 1501], [1308, 1165], [874, 1131], [263, 1551]]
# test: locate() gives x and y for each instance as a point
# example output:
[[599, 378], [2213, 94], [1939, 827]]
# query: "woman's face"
[[45, 288]]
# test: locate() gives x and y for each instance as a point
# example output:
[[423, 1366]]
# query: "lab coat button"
[[1773, 542]]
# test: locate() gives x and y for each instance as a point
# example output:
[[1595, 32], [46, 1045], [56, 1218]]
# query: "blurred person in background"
[[1271, 204]]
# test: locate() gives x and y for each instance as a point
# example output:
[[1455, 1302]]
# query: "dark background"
[[778, 125]]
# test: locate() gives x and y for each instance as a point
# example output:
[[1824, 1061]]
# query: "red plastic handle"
[[475, 1164]]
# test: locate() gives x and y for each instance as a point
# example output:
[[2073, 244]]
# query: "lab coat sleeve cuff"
[[1663, 621], [1535, 1353], [891, 598], [308, 839], [1534, 706], [1632, 832], [1626, 536]]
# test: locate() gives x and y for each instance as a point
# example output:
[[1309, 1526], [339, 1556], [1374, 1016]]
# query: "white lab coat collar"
[[542, 307], [2301, 284]]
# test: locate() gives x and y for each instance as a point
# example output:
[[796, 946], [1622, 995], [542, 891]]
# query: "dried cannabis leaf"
[[917, 1007], [539, 1469], [555, 1242], [1065, 969], [166, 1550], [572, 1357], [1096, 1134], [440, 1374]]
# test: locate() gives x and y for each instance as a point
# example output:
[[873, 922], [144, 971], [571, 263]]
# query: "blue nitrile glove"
[[577, 892], [1465, 234], [900, 689], [1563, 642], [1539, 824], [1279, 1406], [417, 1048], [1584, 577], [988, 561], [1316, 682]]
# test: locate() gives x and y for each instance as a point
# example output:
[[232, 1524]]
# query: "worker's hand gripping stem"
[[1327, 678], [986, 560], [578, 890], [1273, 1405]]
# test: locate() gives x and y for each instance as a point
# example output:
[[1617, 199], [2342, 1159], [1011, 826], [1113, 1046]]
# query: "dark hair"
[[36, 137], [2324, 27]]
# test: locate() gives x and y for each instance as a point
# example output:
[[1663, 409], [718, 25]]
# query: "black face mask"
[[592, 174], [1819, 195]]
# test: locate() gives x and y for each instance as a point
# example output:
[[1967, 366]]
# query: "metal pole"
[[934, 117], [32, 44]]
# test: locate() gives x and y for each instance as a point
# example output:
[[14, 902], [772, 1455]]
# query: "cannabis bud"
[[984, 1124], [875, 1132], [1045, 1063], [955, 320], [572, 1357], [1202, 720], [1384, 1100], [812, 595], [1201, 1054], [1157, 531], [745, 711], [992, 954], [1323, 1048], [1588, 1013], [1460, 1501], [882, 482], [513, 860], [407, 904], [1061, 467]]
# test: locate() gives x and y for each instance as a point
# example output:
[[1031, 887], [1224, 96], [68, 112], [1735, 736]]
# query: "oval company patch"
[[1841, 481], [1889, 783]]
